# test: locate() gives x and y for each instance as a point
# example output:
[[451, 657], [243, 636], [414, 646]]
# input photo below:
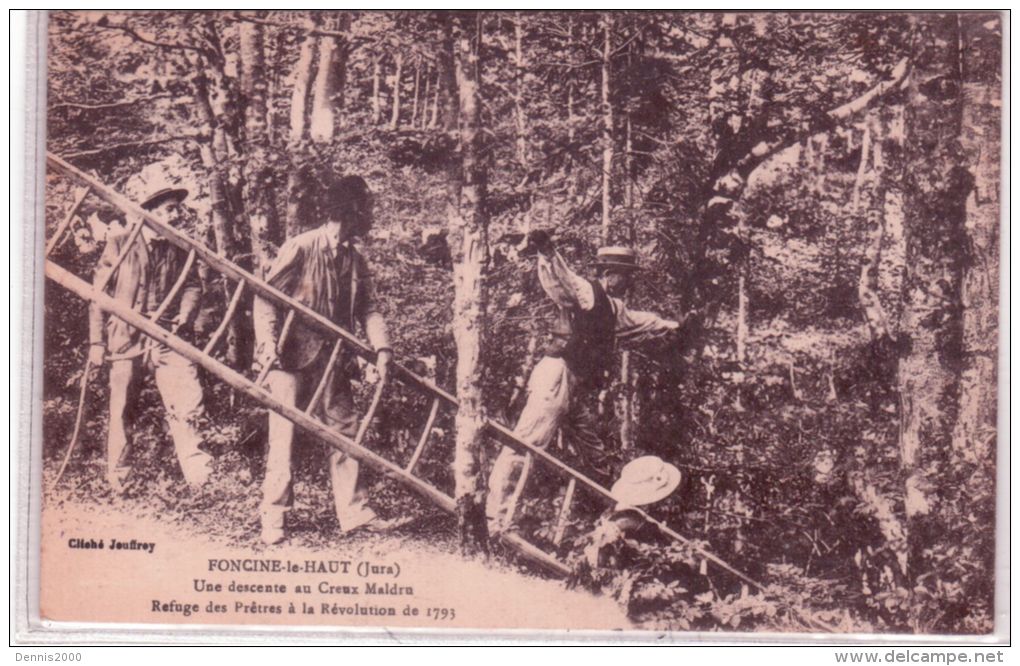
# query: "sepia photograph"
[[670, 323]]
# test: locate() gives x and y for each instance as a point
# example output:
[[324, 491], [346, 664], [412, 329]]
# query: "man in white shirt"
[[593, 320]]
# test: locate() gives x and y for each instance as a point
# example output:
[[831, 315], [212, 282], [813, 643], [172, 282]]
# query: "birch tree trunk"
[[417, 91], [376, 77], [447, 90], [469, 248], [434, 116], [520, 120], [975, 431], [299, 98], [214, 159], [607, 124], [570, 79], [870, 192], [936, 187], [426, 97], [258, 172], [625, 396], [328, 88], [395, 116], [297, 138]]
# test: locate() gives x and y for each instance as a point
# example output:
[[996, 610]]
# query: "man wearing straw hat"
[[592, 321], [143, 279], [321, 269], [643, 481]]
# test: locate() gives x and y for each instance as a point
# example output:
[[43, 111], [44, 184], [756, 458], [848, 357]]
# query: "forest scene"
[[814, 197]]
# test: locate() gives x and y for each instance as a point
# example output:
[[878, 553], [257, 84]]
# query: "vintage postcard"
[[652, 321]]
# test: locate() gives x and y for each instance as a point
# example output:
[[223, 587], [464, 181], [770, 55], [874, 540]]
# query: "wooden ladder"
[[342, 340]]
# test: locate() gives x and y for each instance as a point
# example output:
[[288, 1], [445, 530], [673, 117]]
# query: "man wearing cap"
[[321, 269], [142, 281], [592, 320]]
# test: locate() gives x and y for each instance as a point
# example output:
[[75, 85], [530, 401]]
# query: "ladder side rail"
[[238, 381], [515, 498], [506, 436], [217, 335], [564, 512], [176, 287], [128, 245], [79, 199]]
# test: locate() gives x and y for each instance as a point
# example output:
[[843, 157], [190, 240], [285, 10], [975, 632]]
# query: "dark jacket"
[[336, 284], [142, 281]]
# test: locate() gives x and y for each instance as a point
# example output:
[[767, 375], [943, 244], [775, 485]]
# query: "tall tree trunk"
[[216, 96], [469, 249], [426, 97], [376, 78], [570, 79], [273, 89], [300, 93], [870, 193], [447, 94], [417, 91], [520, 120], [607, 125], [434, 115], [214, 159], [936, 186], [258, 172], [975, 431], [297, 138], [328, 88], [628, 377], [395, 115]]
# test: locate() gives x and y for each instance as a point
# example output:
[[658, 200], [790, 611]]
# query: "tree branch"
[[295, 27], [135, 144], [115, 105], [137, 36], [766, 149]]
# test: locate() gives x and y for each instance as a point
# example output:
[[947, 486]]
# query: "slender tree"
[[937, 183], [607, 142], [468, 239], [258, 171]]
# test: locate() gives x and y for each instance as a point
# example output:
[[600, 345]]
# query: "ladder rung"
[[564, 513], [54, 242], [235, 300], [284, 332], [518, 489], [181, 279], [129, 243], [261, 379], [321, 388], [370, 414], [423, 440]]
